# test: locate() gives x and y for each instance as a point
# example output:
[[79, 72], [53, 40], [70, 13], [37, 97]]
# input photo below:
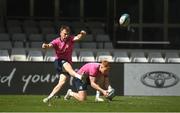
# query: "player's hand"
[[83, 33], [105, 93], [44, 45]]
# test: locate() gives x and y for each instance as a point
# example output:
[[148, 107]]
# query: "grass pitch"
[[33, 103]]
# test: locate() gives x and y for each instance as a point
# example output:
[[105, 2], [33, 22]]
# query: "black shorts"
[[77, 84], [59, 66]]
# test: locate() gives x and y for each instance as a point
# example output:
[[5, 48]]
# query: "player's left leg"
[[80, 95], [80, 87], [57, 88]]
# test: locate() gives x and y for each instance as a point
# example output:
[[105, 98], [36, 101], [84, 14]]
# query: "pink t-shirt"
[[90, 69], [63, 49]]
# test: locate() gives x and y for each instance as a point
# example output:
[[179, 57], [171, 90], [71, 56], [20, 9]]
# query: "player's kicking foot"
[[68, 96], [46, 100], [98, 99]]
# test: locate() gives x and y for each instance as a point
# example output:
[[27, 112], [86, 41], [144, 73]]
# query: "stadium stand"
[[108, 45], [36, 37], [47, 30], [75, 57], [5, 45], [31, 30], [18, 44], [12, 30], [102, 38], [35, 55], [155, 57], [4, 37], [13, 23], [88, 45], [88, 38], [4, 55], [19, 37], [27, 34], [49, 55], [77, 45], [172, 57], [138, 57], [121, 56], [50, 37], [104, 55], [29, 23], [35, 44], [86, 56], [18, 55], [45, 23]]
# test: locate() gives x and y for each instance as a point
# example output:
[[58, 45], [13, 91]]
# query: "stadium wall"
[[151, 79], [41, 77]]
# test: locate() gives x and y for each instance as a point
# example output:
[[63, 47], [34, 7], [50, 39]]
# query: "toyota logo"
[[159, 79]]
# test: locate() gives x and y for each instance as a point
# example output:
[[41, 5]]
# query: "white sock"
[[97, 94], [109, 87], [78, 76], [50, 96], [71, 93]]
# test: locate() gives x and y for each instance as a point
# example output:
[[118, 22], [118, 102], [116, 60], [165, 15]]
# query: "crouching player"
[[97, 74]]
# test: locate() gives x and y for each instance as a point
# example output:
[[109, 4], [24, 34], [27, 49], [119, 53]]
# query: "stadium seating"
[[108, 45], [5, 45], [121, 56], [19, 37], [50, 37], [86, 56], [49, 55], [138, 57], [12, 30], [104, 55], [36, 37], [97, 45], [74, 57], [155, 57], [172, 57], [88, 45], [88, 38], [4, 55], [102, 38], [35, 55], [18, 44], [29, 23], [18, 55], [4, 37]]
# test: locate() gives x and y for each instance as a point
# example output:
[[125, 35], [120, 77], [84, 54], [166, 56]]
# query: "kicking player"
[[94, 72], [63, 46]]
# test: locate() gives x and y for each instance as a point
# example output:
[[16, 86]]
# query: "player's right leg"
[[57, 88]]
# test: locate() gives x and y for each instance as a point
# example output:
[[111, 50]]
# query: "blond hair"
[[105, 63]]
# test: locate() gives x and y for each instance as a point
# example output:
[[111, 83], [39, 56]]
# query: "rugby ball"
[[124, 20], [111, 94]]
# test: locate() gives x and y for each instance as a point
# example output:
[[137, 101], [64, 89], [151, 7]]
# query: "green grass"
[[33, 103]]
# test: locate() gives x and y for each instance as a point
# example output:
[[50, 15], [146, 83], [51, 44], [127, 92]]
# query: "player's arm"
[[80, 35], [106, 82], [45, 46], [96, 86]]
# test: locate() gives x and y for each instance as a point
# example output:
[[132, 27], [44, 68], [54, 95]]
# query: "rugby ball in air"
[[124, 20]]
